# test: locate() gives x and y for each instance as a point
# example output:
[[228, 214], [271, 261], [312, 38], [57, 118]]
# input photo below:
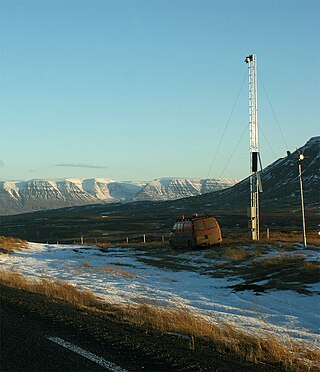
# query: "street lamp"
[[301, 158]]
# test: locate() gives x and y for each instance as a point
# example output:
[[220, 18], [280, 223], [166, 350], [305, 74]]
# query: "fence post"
[[268, 233], [127, 240], [144, 238], [81, 239]]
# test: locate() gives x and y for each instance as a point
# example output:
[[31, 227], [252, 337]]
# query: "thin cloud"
[[81, 165]]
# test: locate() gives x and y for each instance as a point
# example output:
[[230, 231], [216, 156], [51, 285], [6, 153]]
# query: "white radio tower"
[[255, 185]]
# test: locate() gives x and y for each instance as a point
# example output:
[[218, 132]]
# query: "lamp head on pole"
[[249, 58]]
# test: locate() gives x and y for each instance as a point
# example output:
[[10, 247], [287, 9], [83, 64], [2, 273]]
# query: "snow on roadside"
[[285, 313]]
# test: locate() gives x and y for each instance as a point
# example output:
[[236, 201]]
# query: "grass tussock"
[[121, 272], [258, 252], [224, 337], [281, 259], [229, 253], [8, 244], [109, 270], [235, 254], [311, 266]]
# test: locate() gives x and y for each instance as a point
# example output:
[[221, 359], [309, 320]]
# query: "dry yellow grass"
[[311, 265], [226, 338], [133, 244], [109, 270], [276, 260], [250, 347], [121, 272], [56, 289], [275, 237], [295, 237], [9, 244], [235, 254]]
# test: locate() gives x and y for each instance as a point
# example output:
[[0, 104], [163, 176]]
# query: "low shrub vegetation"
[[224, 337]]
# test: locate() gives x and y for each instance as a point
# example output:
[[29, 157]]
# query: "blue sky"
[[137, 90]]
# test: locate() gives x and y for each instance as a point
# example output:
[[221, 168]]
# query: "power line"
[[234, 150], [266, 139], [276, 119], [268, 143], [226, 126]]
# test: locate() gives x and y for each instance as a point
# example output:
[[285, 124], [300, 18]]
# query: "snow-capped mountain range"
[[177, 188], [280, 182], [32, 195]]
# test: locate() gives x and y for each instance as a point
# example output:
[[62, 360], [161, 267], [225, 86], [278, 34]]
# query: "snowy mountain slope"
[[281, 179], [280, 182], [28, 196], [176, 188], [19, 197]]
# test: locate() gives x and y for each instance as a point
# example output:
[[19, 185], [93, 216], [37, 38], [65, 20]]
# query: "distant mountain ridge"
[[32, 195], [280, 182], [176, 188]]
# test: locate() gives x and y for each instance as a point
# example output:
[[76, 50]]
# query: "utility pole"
[[254, 150], [301, 158]]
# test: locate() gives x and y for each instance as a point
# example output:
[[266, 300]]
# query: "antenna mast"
[[254, 149]]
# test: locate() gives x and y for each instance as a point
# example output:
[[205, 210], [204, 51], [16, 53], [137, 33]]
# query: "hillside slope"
[[280, 181]]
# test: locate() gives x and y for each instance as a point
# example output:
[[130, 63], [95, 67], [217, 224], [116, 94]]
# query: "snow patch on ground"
[[286, 314]]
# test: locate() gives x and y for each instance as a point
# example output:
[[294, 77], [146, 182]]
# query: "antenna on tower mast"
[[255, 183]]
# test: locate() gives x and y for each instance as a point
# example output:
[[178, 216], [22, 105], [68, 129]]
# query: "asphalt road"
[[29, 343], [40, 334]]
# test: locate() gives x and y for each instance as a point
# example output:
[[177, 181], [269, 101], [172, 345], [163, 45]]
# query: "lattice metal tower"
[[254, 229]]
